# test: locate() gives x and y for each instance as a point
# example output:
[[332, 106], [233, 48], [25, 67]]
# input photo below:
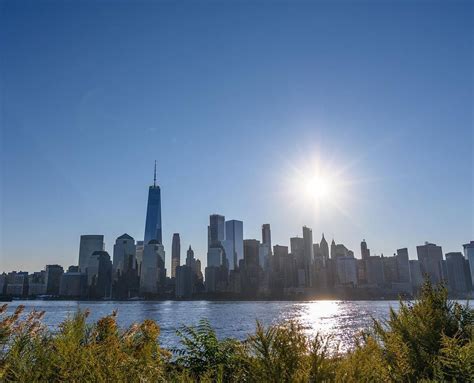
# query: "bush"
[[430, 339]]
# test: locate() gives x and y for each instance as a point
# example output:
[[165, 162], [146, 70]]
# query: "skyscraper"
[[52, 278], [153, 213], [456, 268], [175, 254], [153, 272], [364, 251], [266, 235], [216, 234], [89, 244], [124, 255], [431, 257], [308, 254], [234, 242], [216, 230], [469, 255], [324, 248]]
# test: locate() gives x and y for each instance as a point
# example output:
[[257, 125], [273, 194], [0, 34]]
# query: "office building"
[[308, 253], [346, 271], [469, 255], [36, 285], [184, 282], [267, 235], [431, 257], [416, 275], [364, 251], [99, 275], [124, 256], [153, 272], [216, 230], [89, 244], [234, 243], [52, 279], [457, 272], [324, 248], [73, 284], [153, 230], [403, 266], [374, 266], [175, 254]]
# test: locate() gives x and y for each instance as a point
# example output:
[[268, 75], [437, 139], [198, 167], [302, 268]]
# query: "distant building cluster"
[[240, 268]]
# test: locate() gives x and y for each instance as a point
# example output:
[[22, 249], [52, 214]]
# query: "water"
[[342, 320]]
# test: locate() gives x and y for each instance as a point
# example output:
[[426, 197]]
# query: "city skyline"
[[218, 231], [237, 102]]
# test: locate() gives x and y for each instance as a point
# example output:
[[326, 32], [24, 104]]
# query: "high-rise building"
[[216, 256], [469, 255], [175, 254], [153, 272], [153, 229], [36, 285], [124, 255], [139, 254], [375, 271], [415, 274], [456, 269], [267, 235], [364, 251], [297, 251], [216, 230], [308, 254], [184, 282], [52, 279], [403, 266], [324, 248], [73, 284], [87, 245], [99, 275], [346, 271], [234, 243], [333, 249], [250, 268], [431, 257], [308, 244]]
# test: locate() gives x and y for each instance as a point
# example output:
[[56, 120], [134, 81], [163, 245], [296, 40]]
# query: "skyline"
[[173, 254], [232, 100]]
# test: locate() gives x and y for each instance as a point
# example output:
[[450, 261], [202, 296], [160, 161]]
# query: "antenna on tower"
[[154, 178]]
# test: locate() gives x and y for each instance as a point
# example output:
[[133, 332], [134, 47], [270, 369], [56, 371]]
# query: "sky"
[[238, 102]]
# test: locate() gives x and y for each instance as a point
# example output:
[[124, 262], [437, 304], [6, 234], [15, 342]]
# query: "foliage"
[[205, 357], [430, 339]]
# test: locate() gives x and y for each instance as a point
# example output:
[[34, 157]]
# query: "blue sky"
[[230, 98]]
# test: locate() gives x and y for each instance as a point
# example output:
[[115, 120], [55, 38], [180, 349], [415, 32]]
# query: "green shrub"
[[430, 339]]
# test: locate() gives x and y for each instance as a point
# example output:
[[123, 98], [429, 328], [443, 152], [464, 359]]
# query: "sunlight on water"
[[340, 320]]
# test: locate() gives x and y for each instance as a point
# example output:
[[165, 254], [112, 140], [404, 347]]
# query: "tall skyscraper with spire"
[[153, 214]]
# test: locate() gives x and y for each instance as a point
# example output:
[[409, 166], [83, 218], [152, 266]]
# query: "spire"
[[154, 178]]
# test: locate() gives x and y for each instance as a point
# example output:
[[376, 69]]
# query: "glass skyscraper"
[[153, 214]]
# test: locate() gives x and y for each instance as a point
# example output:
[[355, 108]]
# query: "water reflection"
[[339, 319]]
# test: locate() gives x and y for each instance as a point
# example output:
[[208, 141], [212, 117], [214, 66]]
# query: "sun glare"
[[317, 187]]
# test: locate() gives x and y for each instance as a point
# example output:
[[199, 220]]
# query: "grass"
[[430, 339]]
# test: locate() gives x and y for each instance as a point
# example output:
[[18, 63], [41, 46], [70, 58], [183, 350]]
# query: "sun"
[[316, 187]]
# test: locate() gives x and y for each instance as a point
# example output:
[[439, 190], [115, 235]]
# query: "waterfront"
[[339, 319]]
